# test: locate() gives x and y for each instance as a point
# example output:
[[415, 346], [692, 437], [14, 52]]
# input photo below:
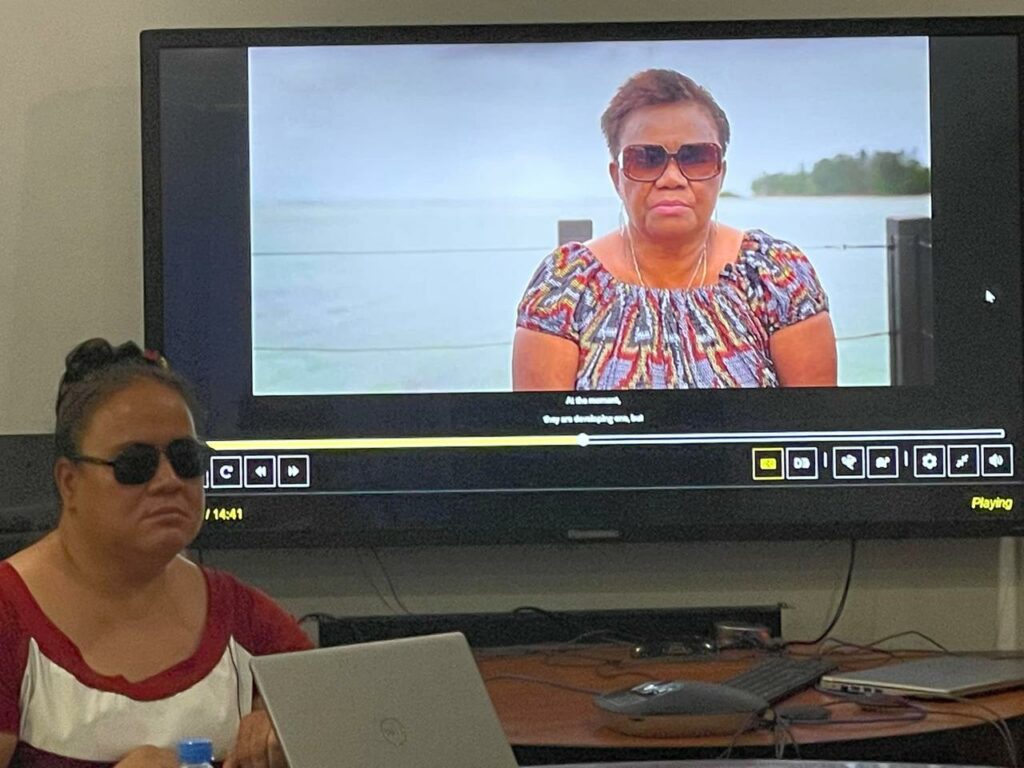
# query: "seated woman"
[[115, 647], [672, 299]]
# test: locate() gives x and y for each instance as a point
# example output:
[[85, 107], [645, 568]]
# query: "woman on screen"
[[672, 299], [115, 647]]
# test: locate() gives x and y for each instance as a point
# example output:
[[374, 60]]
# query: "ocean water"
[[421, 296]]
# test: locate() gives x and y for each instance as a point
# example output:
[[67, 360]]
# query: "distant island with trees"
[[875, 173]]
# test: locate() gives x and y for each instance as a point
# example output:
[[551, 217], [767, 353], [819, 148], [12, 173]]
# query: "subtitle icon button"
[[768, 464]]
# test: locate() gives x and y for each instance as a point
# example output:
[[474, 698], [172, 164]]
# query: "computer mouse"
[[679, 708]]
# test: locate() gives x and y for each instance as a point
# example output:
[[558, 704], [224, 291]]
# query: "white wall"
[[70, 267]]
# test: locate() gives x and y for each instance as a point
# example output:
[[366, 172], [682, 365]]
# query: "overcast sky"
[[522, 120]]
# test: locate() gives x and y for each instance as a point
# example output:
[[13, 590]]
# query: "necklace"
[[701, 265]]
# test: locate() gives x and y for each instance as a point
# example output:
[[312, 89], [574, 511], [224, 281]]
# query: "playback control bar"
[[705, 459], [883, 462], [286, 471]]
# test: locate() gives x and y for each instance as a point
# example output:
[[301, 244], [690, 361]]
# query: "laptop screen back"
[[409, 703]]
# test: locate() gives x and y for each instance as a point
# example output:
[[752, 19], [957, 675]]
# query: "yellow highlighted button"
[[768, 464]]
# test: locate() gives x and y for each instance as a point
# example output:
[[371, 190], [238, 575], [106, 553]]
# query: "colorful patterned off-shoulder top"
[[633, 337]]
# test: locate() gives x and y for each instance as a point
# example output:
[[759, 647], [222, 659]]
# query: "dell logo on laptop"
[[393, 730]]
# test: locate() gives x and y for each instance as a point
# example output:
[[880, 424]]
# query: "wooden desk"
[[552, 725]]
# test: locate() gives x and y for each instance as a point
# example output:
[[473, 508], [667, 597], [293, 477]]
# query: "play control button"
[[226, 472], [293, 471], [259, 472]]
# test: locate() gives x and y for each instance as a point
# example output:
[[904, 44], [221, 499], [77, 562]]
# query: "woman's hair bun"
[[96, 369], [96, 354]]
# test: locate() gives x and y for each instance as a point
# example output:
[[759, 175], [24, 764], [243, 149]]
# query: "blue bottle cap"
[[195, 751]]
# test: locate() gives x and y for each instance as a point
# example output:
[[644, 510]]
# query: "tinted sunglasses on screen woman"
[[138, 462], [646, 162]]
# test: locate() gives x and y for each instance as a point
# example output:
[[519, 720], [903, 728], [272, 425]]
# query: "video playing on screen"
[[448, 284], [416, 208]]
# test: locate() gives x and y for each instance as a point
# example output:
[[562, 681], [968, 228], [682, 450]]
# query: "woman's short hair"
[[658, 86], [93, 371]]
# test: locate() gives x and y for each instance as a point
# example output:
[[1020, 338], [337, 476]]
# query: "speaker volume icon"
[[997, 460]]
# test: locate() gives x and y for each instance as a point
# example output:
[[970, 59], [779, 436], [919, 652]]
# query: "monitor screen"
[[630, 281]]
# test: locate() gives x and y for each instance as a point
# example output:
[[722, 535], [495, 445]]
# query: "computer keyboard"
[[777, 677]]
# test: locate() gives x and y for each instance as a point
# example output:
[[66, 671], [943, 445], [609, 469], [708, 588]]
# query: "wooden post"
[[911, 296]]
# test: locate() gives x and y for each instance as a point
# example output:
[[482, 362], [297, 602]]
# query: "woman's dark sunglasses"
[[137, 464], [646, 162]]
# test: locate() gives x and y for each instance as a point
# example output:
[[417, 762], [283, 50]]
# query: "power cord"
[[996, 720], [376, 588], [840, 607], [916, 712], [754, 724], [781, 735], [559, 619], [873, 646], [548, 683], [387, 579]]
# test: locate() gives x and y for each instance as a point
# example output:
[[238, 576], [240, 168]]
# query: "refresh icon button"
[[226, 472]]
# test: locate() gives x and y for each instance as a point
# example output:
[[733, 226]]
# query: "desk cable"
[[542, 681], [996, 720], [842, 602], [873, 646], [781, 735], [387, 580], [754, 724], [777, 720], [917, 712]]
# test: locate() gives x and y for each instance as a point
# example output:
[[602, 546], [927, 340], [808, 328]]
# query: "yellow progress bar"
[[369, 443]]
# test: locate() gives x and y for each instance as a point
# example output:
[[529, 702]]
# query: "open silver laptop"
[[412, 703], [937, 677]]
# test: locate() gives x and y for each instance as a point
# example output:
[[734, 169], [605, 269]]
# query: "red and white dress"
[[66, 715]]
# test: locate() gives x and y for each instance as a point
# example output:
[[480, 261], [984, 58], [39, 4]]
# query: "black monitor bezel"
[[421, 518]]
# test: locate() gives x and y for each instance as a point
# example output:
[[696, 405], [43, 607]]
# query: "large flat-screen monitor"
[[593, 281]]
